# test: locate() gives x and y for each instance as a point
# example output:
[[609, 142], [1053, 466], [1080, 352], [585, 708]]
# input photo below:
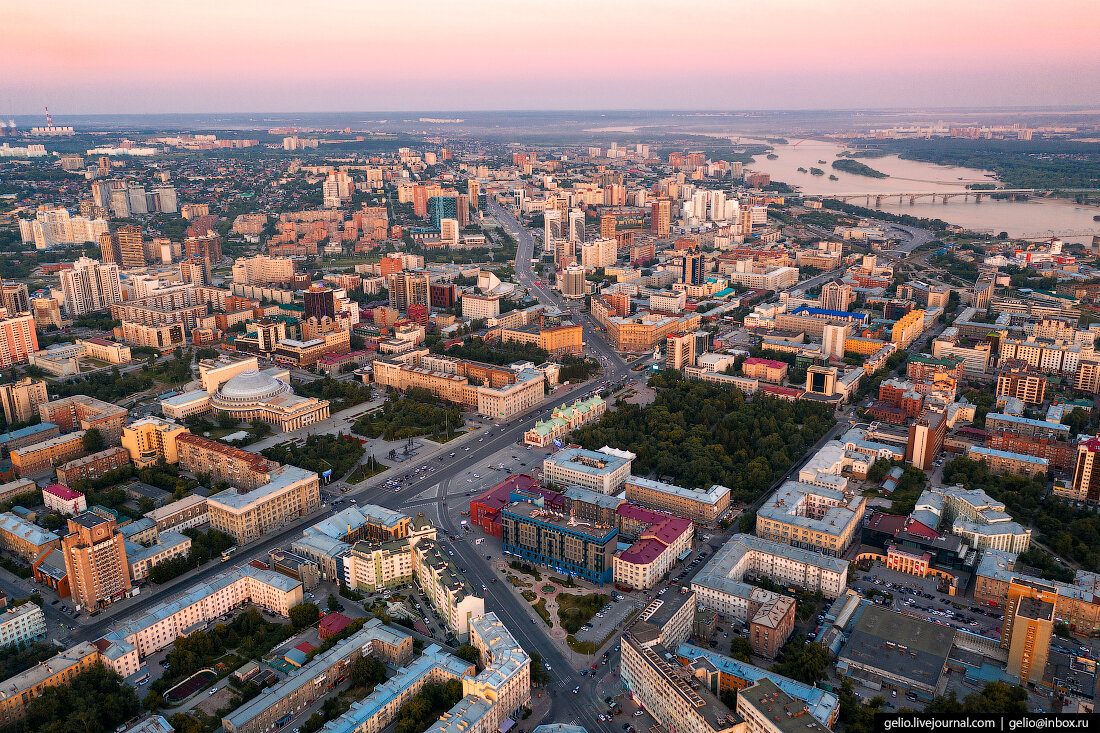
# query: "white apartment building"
[[90, 287], [480, 307], [605, 472], [449, 592], [719, 585], [21, 624]]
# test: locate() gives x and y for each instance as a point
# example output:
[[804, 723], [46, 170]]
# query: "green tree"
[[802, 661], [468, 653], [741, 649], [94, 700], [367, 671], [92, 440], [303, 615], [333, 603]]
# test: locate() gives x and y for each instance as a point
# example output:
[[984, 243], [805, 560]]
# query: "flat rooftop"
[[902, 646]]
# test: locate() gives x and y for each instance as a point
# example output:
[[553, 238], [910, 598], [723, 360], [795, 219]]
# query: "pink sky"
[[244, 55]]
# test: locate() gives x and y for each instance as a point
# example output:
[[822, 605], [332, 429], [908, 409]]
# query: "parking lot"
[[606, 621], [920, 596]]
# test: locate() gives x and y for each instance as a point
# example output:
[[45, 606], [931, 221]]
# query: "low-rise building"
[[316, 678], [892, 650], [43, 456], [811, 517], [449, 592], [545, 537], [17, 692], [141, 558], [702, 506], [62, 499], [1002, 461], [22, 624], [92, 466], [605, 470], [131, 641], [653, 554], [247, 514], [152, 439], [187, 513], [24, 539], [563, 420]]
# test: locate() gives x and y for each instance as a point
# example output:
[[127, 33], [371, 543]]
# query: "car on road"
[[576, 690]]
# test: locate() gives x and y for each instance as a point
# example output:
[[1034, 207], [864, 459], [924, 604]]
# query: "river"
[[1034, 217]]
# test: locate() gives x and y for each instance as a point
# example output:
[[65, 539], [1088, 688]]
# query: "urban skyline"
[[252, 57]]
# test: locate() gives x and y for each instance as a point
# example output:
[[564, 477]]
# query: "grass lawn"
[[541, 608], [362, 472], [575, 611]]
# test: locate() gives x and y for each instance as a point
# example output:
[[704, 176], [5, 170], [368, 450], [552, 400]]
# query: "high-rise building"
[[320, 301], [208, 247], [139, 203], [195, 270], [15, 298], [836, 296], [109, 252], [21, 399], [1029, 622], [660, 222], [337, 188], [18, 339], [46, 312], [691, 269], [448, 232], [473, 190], [167, 201], [576, 226], [264, 269], [573, 282], [131, 247], [1086, 474], [551, 229], [95, 560], [407, 287], [90, 287]]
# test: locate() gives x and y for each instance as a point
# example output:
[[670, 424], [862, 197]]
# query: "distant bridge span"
[[821, 137]]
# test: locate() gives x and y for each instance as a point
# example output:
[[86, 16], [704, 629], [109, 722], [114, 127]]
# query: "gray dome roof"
[[252, 385]]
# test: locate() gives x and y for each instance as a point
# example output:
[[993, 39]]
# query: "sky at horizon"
[[335, 55]]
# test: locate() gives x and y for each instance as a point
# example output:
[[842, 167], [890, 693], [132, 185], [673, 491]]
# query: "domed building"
[[256, 395]]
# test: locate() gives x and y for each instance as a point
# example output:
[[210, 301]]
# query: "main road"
[[594, 345], [516, 613]]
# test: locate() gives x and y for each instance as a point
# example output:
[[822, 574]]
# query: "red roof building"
[[485, 509], [333, 624]]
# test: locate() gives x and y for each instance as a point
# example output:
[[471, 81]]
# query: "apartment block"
[[20, 399], [18, 339], [131, 641], [315, 679], [95, 560], [605, 471], [450, 593], [92, 466], [81, 412], [702, 506], [811, 517], [151, 439], [58, 670], [43, 456], [188, 512], [289, 494], [24, 539], [22, 624]]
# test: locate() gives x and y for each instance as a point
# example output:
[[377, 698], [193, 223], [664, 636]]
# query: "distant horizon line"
[[1080, 108]]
